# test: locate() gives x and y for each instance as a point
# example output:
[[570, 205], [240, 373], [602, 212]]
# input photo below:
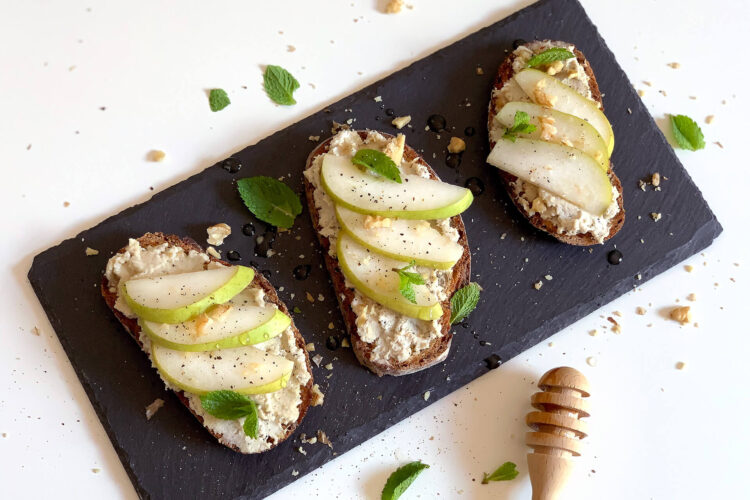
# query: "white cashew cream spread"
[[394, 336], [276, 410], [567, 217]]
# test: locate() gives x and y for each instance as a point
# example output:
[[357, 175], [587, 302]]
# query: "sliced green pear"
[[367, 193], [558, 127], [401, 239], [561, 170], [373, 276], [549, 91], [174, 298], [246, 370], [224, 326]]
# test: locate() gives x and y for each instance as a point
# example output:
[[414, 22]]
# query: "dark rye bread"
[[505, 73], [460, 277], [131, 325]]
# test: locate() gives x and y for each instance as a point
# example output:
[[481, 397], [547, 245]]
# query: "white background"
[[656, 432]]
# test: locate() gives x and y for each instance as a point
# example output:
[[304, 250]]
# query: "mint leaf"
[[687, 133], [406, 280], [521, 125], [401, 479], [250, 426], [280, 85], [505, 472], [270, 200], [379, 162], [463, 302], [227, 405], [550, 55], [218, 99]]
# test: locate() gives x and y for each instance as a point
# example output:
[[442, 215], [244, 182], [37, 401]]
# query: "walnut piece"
[[682, 314], [153, 408], [217, 233], [90, 252], [401, 121], [395, 148], [456, 145], [394, 6]]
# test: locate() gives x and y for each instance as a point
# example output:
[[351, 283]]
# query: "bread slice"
[[504, 74], [437, 351], [131, 325]]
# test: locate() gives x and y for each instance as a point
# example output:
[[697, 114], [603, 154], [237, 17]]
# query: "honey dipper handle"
[[548, 475]]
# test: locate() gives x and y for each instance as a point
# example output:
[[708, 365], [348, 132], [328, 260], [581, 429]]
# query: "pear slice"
[[568, 129], [233, 324], [246, 370], [401, 239], [367, 193], [561, 170], [549, 91], [374, 277], [174, 298]]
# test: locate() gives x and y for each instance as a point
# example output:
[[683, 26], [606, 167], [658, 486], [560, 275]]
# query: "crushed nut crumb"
[[641, 92], [156, 155], [323, 438], [709, 119], [309, 297], [680, 365], [394, 6], [456, 145], [217, 233], [655, 179], [317, 396], [317, 359], [689, 268], [310, 347], [656, 216], [314, 138], [91, 252], [480, 71], [401, 121], [682, 314], [153, 408], [538, 285], [594, 332], [213, 252], [640, 310], [692, 297]]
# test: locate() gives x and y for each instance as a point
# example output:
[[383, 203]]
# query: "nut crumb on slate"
[[329, 366], [709, 119], [689, 268], [213, 252], [538, 285], [309, 297], [640, 310], [378, 98], [680, 365], [394, 6], [91, 252], [217, 233], [548, 277], [302, 450], [295, 473], [426, 395], [310, 347], [153, 408], [480, 71], [655, 179], [317, 396], [338, 127], [314, 138], [156, 155], [656, 216], [681, 314], [456, 145], [317, 359], [323, 438], [345, 342], [401, 121]]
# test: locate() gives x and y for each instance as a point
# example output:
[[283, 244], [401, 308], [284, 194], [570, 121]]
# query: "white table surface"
[[656, 432]]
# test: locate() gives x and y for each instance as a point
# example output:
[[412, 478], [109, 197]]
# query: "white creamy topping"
[[277, 410], [568, 218], [395, 337]]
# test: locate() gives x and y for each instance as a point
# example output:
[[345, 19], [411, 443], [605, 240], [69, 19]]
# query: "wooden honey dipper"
[[557, 430]]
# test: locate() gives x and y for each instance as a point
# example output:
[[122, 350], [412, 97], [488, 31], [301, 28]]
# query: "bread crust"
[[461, 274], [131, 325], [505, 73]]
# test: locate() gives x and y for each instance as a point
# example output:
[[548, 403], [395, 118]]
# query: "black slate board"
[[172, 456]]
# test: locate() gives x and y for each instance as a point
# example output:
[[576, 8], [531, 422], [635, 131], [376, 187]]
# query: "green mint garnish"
[[229, 405], [550, 55], [280, 85], [521, 125], [463, 302], [687, 133], [218, 99], [406, 280], [401, 479], [505, 472], [378, 162], [270, 200]]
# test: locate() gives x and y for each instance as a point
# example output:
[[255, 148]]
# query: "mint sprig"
[[280, 85], [505, 472], [230, 405], [270, 200], [687, 134], [378, 162], [406, 280], [521, 125], [218, 99], [401, 479], [463, 302], [550, 55]]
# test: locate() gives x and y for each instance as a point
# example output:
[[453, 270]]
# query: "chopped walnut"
[[394, 6], [153, 408], [376, 221], [219, 311], [217, 233], [456, 145], [201, 322], [541, 97], [548, 128], [656, 216], [314, 138], [317, 396], [213, 252], [689, 268], [91, 252], [692, 297], [555, 67], [641, 92], [709, 119], [156, 155], [395, 148], [640, 310], [538, 285], [674, 65], [655, 179], [681, 314], [538, 205], [323, 438], [401, 121]]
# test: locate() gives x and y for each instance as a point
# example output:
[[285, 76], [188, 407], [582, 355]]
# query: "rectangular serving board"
[[172, 456]]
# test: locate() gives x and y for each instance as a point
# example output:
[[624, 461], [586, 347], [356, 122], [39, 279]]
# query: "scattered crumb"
[[377, 98], [674, 65], [709, 119], [317, 359], [217, 233], [680, 365], [538, 285], [647, 84], [317, 396], [594, 332], [692, 297], [156, 155], [550, 344], [309, 297], [456, 145], [692, 97], [91, 252], [618, 314], [329, 366], [323, 438], [213, 252], [295, 473], [96, 470], [689, 268], [591, 361], [338, 127], [302, 450], [640, 310], [345, 342], [291, 48], [314, 138], [480, 71], [153, 408], [321, 298], [663, 92], [548, 277], [642, 185], [682, 314], [35, 331], [310, 347], [426, 395], [641, 92], [656, 216], [655, 179], [66, 204], [401, 121], [330, 325], [719, 144], [394, 6]]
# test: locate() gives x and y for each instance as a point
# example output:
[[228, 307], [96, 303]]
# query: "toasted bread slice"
[[504, 74], [307, 394], [438, 349]]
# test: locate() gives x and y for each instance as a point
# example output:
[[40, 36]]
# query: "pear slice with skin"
[[548, 91], [569, 129], [246, 370], [373, 276], [175, 298], [233, 324], [561, 170], [414, 198], [402, 239]]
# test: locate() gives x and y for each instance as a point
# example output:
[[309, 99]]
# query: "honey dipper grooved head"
[[565, 377]]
